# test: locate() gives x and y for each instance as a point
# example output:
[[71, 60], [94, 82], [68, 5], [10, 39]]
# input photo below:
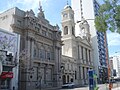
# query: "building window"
[[75, 74], [52, 56], [43, 33], [5, 84], [65, 30], [68, 66], [86, 55], [42, 54], [82, 51], [87, 72], [65, 15], [80, 72], [50, 35], [83, 31], [39, 25], [72, 16], [35, 53], [83, 73], [71, 66], [68, 78], [7, 68], [78, 52], [89, 56], [48, 55], [37, 29], [19, 22], [73, 33]]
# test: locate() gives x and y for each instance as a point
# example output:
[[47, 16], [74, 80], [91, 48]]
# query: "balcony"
[[7, 59]]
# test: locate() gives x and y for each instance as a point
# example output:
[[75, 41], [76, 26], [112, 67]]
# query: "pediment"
[[86, 42]]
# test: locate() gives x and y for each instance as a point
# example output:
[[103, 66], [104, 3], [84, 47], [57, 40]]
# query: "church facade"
[[76, 51]]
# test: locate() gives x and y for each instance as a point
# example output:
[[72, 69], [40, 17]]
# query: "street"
[[101, 87]]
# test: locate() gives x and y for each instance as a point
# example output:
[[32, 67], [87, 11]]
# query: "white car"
[[68, 85]]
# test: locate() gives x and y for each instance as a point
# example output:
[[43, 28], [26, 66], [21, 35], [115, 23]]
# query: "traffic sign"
[[92, 80]]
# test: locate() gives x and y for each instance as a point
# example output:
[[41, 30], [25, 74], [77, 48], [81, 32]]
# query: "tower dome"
[[67, 6]]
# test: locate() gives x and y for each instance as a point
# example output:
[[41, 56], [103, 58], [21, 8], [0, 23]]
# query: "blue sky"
[[52, 10]]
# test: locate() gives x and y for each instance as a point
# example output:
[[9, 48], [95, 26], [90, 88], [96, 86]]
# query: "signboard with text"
[[5, 75]]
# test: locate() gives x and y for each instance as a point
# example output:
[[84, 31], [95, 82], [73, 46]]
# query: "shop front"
[[6, 78]]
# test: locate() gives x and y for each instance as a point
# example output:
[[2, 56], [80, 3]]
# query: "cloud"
[[113, 39], [27, 4]]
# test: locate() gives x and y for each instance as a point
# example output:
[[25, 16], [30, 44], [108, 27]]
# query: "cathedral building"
[[76, 50], [89, 9]]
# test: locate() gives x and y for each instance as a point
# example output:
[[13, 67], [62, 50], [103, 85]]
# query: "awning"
[[5, 75]]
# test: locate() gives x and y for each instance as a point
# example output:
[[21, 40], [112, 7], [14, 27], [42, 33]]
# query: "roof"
[[67, 6]]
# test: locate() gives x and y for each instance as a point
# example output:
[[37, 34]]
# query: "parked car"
[[68, 85], [111, 81]]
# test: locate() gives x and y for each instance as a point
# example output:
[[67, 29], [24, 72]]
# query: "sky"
[[52, 10]]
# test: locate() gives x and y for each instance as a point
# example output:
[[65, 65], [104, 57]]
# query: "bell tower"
[[84, 29], [68, 25], [68, 32]]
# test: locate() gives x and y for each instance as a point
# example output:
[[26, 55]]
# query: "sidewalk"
[[117, 88]]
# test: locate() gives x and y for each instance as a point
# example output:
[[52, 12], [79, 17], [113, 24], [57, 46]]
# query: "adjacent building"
[[40, 48], [76, 50], [115, 67], [9, 58], [87, 10]]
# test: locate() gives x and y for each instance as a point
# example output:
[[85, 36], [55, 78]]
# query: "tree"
[[7, 43], [108, 17]]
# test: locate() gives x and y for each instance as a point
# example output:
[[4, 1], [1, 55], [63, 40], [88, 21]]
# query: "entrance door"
[[64, 79], [5, 84]]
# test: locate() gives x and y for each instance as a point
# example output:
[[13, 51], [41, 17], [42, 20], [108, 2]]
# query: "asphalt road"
[[101, 87]]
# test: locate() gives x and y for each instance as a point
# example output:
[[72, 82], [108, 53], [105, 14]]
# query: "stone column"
[[84, 58], [57, 66], [85, 73]]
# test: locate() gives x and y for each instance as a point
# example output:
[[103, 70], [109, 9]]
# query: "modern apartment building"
[[88, 9], [40, 48]]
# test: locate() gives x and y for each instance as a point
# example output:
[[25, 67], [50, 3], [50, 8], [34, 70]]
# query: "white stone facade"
[[76, 51], [88, 10]]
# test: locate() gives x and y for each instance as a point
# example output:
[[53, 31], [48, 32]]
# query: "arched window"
[[65, 30], [83, 31], [48, 54], [73, 33], [35, 52], [42, 53], [75, 74]]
